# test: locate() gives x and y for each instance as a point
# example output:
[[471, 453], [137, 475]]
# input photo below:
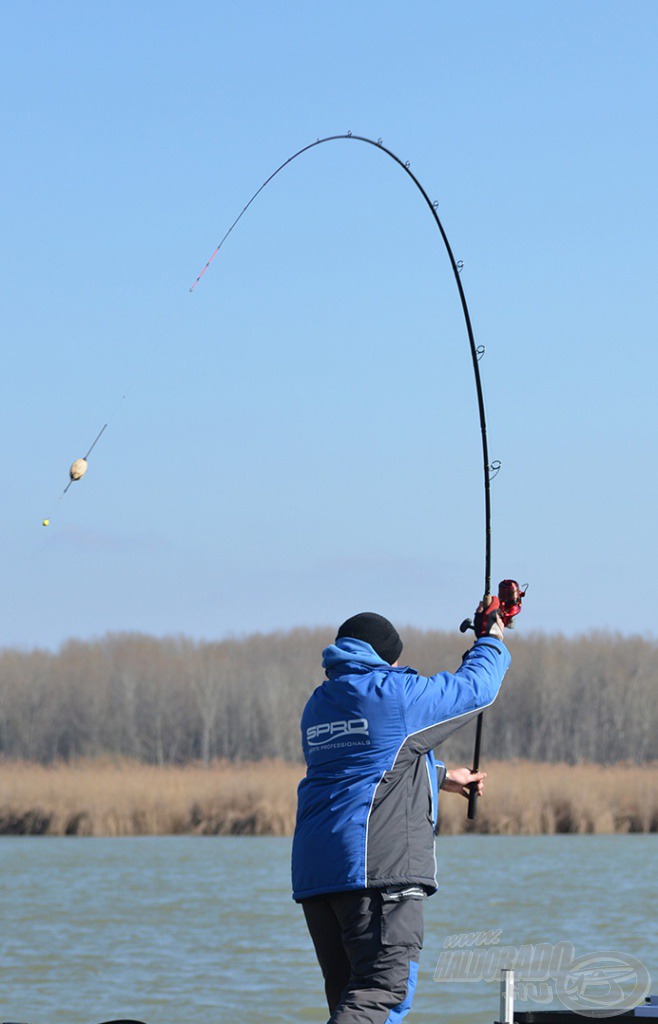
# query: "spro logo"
[[325, 731]]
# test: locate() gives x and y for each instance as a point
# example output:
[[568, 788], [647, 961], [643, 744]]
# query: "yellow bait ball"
[[46, 522]]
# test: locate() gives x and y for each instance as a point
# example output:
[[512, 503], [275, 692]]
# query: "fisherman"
[[363, 852]]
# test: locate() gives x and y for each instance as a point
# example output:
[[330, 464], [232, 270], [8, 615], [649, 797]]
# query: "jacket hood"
[[356, 653]]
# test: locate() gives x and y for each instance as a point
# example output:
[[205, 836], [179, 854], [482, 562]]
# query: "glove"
[[487, 619]]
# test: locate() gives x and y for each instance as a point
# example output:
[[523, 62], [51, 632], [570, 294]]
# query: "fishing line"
[[476, 353], [79, 466]]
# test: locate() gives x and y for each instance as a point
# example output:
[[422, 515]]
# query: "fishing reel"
[[508, 603]]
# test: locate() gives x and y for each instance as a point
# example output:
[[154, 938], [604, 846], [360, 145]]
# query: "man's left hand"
[[459, 779]]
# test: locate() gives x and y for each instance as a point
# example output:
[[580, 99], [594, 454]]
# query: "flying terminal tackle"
[[76, 472]]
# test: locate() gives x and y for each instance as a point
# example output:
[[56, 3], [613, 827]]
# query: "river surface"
[[194, 930]]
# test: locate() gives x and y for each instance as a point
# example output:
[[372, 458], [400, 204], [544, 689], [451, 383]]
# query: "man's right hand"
[[487, 619]]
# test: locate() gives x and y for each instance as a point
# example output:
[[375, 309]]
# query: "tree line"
[[174, 700]]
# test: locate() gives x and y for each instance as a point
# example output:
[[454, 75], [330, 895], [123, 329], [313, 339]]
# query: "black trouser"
[[367, 943]]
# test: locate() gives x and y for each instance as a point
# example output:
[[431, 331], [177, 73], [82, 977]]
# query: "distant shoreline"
[[125, 798]]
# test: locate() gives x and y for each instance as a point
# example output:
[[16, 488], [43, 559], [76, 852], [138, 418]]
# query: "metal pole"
[[506, 997]]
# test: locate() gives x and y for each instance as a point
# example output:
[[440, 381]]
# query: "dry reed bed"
[[532, 798], [110, 798]]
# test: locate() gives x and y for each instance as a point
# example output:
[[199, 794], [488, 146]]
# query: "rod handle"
[[473, 788]]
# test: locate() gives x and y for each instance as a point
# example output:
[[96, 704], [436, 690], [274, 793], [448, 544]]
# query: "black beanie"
[[376, 631]]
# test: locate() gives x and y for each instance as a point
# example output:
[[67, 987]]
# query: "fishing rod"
[[476, 354]]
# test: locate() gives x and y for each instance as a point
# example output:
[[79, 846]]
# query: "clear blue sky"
[[298, 439]]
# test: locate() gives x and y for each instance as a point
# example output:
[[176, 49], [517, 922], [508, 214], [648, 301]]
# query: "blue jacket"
[[367, 806]]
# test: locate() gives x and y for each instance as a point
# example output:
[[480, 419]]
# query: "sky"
[[298, 440]]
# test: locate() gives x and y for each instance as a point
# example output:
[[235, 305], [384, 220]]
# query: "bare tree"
[[591, 698]]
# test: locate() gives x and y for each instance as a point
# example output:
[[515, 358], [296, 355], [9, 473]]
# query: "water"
[[198, 930]]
